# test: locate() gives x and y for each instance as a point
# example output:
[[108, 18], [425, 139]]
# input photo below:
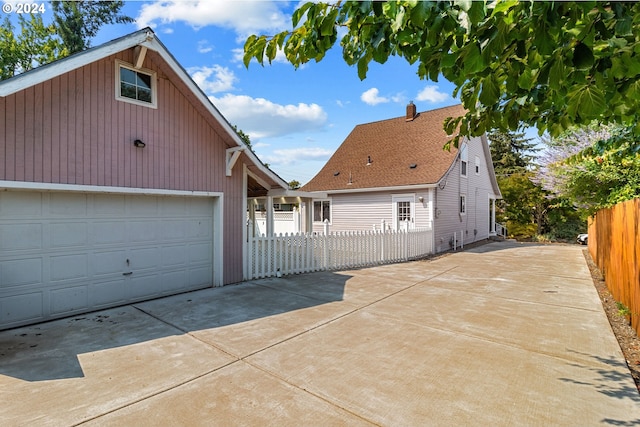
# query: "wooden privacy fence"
[[614, 245], [301, 253]]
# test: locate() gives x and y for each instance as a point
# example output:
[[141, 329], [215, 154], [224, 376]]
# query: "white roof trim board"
[[145, 38]]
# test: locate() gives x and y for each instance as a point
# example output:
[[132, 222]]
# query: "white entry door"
[[63, 253], [403, 212]]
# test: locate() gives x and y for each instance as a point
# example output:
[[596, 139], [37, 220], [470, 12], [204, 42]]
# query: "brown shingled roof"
[[393, 146]]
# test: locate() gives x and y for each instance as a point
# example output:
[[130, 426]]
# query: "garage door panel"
[[175, 280], [170, 207], [67, 267], [20, 205], [106, 294], [18, 237], [146, 286], [174, 255], [66, 253], [143, 231], [20, 272], [108, 263], [68, 204], [68, 234], [69, 300], [109, 232], [142, 206], [200, 207], [109, 204], [200, 253], [22, 308], [144, 258], [199, 277], [174, 230], [201, 228]]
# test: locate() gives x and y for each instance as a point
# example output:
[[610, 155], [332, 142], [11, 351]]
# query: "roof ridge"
[[404, 117]]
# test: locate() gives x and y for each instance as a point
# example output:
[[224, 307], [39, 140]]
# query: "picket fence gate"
[[295, 253]]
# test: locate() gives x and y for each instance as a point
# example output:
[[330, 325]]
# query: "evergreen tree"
[[511, 152]]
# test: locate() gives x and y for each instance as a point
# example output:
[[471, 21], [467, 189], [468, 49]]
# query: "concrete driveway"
[[505, 334]]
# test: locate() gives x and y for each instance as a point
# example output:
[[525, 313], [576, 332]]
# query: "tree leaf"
[[586, 102], [477, 12], [557, 74], [473, 61], [363, 67], [490, 91], [582, 57]]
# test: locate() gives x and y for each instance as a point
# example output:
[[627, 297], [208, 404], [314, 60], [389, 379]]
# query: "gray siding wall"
[[361, 211], [477, 188]]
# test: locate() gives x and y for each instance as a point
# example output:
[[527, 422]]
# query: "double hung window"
[[321, 210]]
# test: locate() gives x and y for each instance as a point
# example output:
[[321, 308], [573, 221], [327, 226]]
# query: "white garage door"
[[63, 253]]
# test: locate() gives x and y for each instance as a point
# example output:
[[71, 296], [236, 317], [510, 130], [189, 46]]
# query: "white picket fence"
[[301, 253]]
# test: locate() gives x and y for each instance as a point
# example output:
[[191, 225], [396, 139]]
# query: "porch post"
[[269, 208], [493, 216], [308, 215]]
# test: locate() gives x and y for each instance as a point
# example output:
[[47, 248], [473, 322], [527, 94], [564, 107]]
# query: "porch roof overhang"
[[286, 193]]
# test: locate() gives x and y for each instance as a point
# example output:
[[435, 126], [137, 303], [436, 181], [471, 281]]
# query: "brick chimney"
[[411, 111]]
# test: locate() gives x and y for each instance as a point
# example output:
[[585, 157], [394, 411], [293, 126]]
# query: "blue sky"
[[296, 118]]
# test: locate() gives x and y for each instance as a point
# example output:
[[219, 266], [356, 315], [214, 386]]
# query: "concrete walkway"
[[505, 334]]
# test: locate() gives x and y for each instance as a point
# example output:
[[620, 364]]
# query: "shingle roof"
[[393, 146]]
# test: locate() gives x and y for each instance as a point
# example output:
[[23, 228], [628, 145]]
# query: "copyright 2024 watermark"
[[21, 8]]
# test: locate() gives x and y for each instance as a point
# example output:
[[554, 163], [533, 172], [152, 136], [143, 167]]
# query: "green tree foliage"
[[78, 21], [523, 205], [511, 152], [34, 44], [527, 209], [243, 136], [543, 64], [511, 162], [294, 184]]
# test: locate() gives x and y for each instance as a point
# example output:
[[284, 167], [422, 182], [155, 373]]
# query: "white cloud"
[[213, 79], [399, 98], [261, 118], [243, 17], [431, 94], [288, 156], [372, 97], [204, 46]]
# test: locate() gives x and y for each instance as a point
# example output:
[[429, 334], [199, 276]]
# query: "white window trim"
[[477, 165], [464, 158], [313, 216], [154, 85], [462, 204]]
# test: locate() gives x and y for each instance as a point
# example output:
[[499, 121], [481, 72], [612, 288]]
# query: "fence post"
[[326, 245]]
